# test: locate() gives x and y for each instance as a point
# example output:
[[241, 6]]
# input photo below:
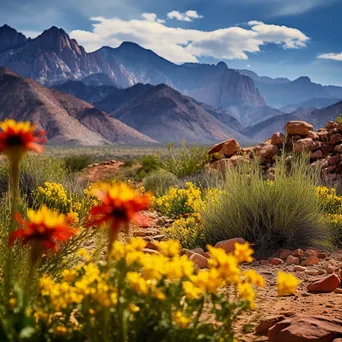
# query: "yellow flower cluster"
[[330, 202], [286, 284]]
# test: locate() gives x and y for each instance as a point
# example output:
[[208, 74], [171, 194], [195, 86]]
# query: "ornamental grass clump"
[[284, 213]]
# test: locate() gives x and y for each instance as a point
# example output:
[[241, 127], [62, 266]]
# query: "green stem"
[[14, 188]]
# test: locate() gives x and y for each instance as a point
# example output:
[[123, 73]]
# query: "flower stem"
[[14, 188]]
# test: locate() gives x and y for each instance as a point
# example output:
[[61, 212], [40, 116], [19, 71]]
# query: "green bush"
[[187, 161], [159, 182], [339, 119], [35, 171], [284, 213], [77, 163], [148, 164]]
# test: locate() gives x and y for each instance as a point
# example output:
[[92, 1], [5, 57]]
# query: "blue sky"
[[277, 38]]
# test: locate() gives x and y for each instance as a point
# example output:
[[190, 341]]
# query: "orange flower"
[[20, 137], [44, 229], [120, 205]]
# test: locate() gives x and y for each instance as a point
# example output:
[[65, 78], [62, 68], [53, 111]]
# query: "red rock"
[[330, 269], [275, 261], [284, 253], [278, 139], [310, 252], [313, 272], [206, 255], [339, 168], [317, 154], [266, 323], [338, 148], [325, 285], [323, 135], [298, 128], [338, 291], [197, 250], [150, 251], [298, 253], [322, 255], [298, 268], [264, 262], [229, 245], [306, 144], [267, 151], [333, 160], [331, 124], [310, 260], [313, 135], [221, 165], [151, 245], [227, 148], [335, 138], [292, 260], [199, 260], [306, 329]]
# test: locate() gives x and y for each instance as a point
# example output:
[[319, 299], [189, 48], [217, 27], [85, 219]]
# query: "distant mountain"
[[66, 119], [282, 92], [54, 58], [98, 80], [10, 38], [313, 103], [160, 111]]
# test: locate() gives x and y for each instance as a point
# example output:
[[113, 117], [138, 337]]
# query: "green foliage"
[[158, 182], [187, 161], [284, 213], [339, 119], [76, 163], [35, 171], [148, 164]]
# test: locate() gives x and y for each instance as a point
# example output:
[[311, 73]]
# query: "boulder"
[[226, 148], [298, 253], [325, 285], [229, 245], [278, 139], [331, 124], [305, 329], [310, 260], [266, 323], [275, 261], [292, 260], [313, 135], [199, 260], [221, 165], [306, 144], [338, 148], [267, 151], [301, 128], [284, 253], [318, 154], [335, 138], [333, 160]]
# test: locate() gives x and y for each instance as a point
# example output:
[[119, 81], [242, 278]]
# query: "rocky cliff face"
[[10, 38]]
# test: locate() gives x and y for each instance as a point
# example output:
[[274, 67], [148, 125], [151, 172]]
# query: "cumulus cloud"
[[187, 16], [333, 56], [181, 45]]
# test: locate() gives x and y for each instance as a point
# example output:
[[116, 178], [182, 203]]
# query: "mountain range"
[[131, 95]]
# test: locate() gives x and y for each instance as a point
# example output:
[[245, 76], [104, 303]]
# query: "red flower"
[[45, 227], [21, 137]]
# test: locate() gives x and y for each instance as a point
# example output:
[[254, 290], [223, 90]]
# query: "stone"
[[300, 328], [338, 148], [333, 160], [318, 154], [267, 151], [335, 138], [197, 250], [284, 253], [298, 253], [338, 291], [150, 251], [229, 245], [199, 260], [221, 165], [331, 124], [298, 268], [278, 139], [151, 245], [159, 237], [234, 160], [310, 260], [266, 323], [313, 135], [306, 144], [339, 168], [330, 269], [310, 252], [226, 148], [322, 255], [325, 285], [292, 260], [301, 128], [206, 255], [264, 262], [275, 261]]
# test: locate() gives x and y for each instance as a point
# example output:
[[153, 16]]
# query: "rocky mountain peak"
[[10, 38]]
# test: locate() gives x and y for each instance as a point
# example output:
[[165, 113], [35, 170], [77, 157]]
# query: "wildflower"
[[136, 282], [180, 320], [254, 278], [243, 252], [43, 230], [133, 308], [84, 254], [246, 292], [170, 248], [18, 137], [119, 206], [192, 291], [286, 284]]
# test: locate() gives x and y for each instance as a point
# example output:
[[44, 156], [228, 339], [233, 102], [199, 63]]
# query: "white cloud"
[[149, 16], [186, 45], [187, 16], [333, 56], [31, 34]]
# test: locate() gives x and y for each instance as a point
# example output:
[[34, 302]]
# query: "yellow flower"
[[243, 252], [170, 248], [180, 320], [133, 308], [246, 292], [254, 278], [83, 253], [191, 291], [136, 282], [286, 284]]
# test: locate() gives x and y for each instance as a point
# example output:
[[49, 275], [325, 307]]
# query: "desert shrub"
[[284, 213], [339, 119], [148, 164], [35, 170], [159, 182], [76, 163], [186, 161]]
